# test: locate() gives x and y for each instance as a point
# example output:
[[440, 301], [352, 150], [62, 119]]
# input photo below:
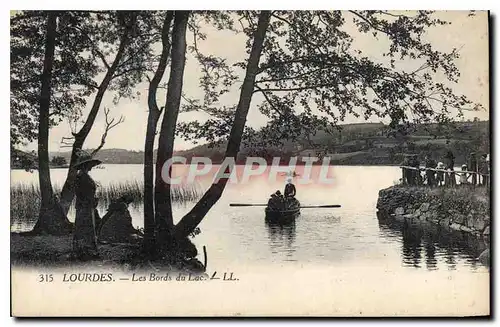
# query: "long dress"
[[84, 237]]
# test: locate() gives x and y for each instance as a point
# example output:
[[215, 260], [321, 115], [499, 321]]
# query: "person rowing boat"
[[290, 190]]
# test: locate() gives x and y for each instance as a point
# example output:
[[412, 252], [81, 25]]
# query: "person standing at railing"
[[483, 170], [430, 174], [415, 173], [473, 167], [489, 169], [406, 171], [450, 163]]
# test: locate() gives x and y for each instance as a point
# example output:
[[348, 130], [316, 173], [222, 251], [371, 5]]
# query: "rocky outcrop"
[[461, 209]]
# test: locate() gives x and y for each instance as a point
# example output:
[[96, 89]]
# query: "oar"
[[322, 206], [247, 205], [265, 205]]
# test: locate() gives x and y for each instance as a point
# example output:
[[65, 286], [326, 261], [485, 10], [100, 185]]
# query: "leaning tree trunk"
[[189, 222], [68, 190], [50, 220], [163, 202], [153, 117]]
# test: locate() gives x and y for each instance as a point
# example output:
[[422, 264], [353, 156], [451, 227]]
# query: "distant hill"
[[355, 144], [370, 144]]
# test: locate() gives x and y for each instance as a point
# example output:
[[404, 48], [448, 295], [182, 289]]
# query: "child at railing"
[[464, 176], [440, 174]]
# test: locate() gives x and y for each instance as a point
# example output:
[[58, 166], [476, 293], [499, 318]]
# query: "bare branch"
[[110, 123], [295, 88], [292, 77]]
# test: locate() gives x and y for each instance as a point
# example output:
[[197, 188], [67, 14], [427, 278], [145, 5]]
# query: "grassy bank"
[[49, 251]]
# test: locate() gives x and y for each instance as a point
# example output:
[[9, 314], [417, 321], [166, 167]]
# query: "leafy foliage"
[[73, 70], [312, 74], [86, 44]]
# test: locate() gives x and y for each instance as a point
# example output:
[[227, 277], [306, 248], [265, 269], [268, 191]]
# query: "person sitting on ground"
[[116, 226], [463, 176]]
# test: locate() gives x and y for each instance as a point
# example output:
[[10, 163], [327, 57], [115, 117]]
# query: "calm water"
[[342, 237]]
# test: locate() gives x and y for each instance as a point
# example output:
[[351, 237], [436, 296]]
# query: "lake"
[[350, 235], [346, 261]]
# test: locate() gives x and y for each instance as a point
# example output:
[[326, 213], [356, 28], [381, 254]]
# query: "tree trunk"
[[153, 117], [50, 220], [189, 222], [68, 190], [163, 202]]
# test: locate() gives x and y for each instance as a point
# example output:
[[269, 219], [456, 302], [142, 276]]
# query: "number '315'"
[[47, 278]]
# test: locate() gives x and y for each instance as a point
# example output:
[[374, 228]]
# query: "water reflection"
[[426, 244], [281, 236], [412, 245]]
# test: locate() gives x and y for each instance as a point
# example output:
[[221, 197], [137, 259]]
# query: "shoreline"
[[464, 210], [28, 250]]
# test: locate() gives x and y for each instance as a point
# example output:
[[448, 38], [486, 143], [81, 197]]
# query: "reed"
[[25, 198], [135, 189], [24, 204]]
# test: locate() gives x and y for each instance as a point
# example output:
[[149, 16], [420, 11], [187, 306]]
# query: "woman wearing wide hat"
[[84, 237]]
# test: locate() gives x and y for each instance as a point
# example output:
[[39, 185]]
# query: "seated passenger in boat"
[[277, 201], [116, 225]]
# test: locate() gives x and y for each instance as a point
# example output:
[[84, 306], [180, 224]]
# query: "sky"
[[469, 34]]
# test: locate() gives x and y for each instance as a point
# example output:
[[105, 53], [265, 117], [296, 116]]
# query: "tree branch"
[[269, 101], [295, 88], [109, 125]]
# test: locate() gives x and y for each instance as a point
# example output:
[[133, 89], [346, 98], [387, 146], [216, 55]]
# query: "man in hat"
[[84, 237]]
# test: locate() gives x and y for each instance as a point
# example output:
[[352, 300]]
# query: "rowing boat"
[[291, 212]]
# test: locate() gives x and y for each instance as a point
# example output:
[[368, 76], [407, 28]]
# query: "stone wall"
[[464, 209]]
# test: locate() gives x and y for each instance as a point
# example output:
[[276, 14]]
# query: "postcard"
[[250, 163]]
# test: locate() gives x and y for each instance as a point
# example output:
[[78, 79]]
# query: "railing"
[[442, 177]]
